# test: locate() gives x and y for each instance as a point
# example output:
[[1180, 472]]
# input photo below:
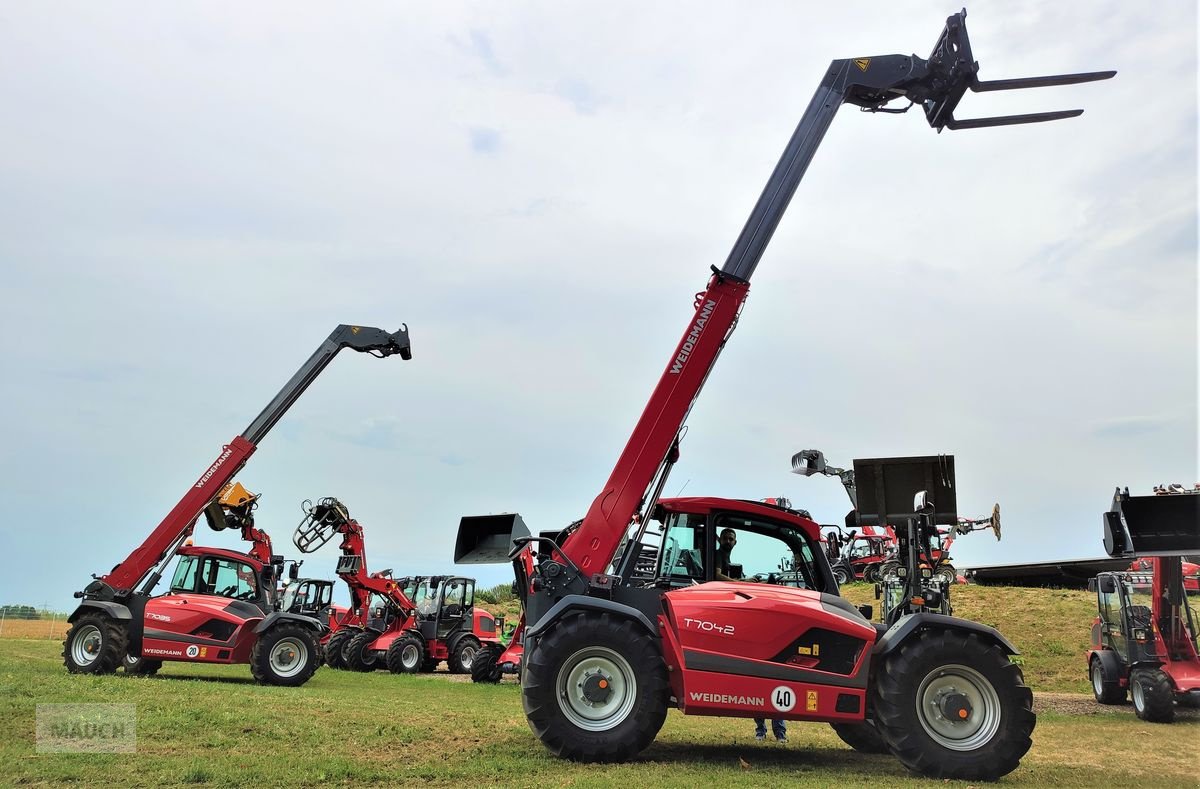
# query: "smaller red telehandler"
[[423, 621], [1144, 638], [221, 606]]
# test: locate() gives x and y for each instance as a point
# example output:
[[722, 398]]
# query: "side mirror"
[[867, 610], [294, 571], [807, 462], [1106, 583], [921, 502]]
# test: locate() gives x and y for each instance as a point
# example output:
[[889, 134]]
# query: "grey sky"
[[194, 194]]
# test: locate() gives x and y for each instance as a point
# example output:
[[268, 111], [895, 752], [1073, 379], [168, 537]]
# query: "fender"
[[578, 602], [276, 617], [914, 623], [1111, 664], [114, 610]]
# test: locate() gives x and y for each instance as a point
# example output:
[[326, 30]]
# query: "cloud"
[[484, 140]]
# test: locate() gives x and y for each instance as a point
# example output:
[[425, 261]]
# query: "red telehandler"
[[423, 621], [1146, 636], [221, 605], [608, 651]]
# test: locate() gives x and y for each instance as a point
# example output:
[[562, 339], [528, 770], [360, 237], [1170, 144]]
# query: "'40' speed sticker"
[[783, 698]]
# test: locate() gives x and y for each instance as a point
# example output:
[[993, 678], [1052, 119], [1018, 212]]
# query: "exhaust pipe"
[[487, 539]]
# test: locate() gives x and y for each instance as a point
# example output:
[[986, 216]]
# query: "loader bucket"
[[487, 539], [1167, 525]]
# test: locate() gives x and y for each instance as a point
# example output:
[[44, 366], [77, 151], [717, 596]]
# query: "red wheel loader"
[[219, 609], [608, 650], [1144, 640], [421, 622]]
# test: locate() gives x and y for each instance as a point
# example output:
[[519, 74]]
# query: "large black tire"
[[463, 656], [1153, 696], [95, 644], [950, 704], [355, 653], [841, 575], [947, 573], [595, 688], [484, 667], [406, 655], [287, 654], [140, 667], [862, 737], [871, 574], [1105, 688], [333, 647]]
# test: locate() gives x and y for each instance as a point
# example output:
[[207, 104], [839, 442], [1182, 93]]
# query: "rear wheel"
[[406, 655], [334, 646], [862, 737], [947, 573], [1106, 689], [287, 654], [1153, 696], [463, 655], [95, 644], [595, 688], [139, 666], [357, 654], [484, 666], [950, 704], [871, 574], [841, 575]]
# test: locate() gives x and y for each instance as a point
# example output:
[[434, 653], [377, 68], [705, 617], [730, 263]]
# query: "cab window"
[[767, 552]]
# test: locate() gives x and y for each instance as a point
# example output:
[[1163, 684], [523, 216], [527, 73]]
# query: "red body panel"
[[179, 627], [731, 649]]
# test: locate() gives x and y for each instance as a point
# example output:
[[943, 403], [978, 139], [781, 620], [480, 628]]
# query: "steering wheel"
[[228, 591], [249, 594]]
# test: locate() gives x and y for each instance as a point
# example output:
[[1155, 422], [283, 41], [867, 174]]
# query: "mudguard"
[[914, 623], [276, 617], [578, 602], [115, 610], [1111, 663]]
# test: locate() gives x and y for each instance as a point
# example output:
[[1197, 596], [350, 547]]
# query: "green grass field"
[[212, 725]]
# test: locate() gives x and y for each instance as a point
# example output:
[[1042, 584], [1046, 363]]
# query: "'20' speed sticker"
[[783, 698]]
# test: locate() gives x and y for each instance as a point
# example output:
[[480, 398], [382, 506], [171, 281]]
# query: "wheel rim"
[[86, 646], [288, 657], [596, 666], [410, 655], [976, 728], [467, 657], [1139, 695], [839, 575]]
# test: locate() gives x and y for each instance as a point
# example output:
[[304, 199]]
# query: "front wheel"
[[950, 704], [463, 656], [484, 666], [287, 655], [1106, 689], [334, 646], [871, 574], [357, 654], [595, 688], [841, 575], [1153, 697], [406, 655], [95, 644]]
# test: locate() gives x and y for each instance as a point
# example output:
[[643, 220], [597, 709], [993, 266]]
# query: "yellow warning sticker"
[[810, 703], [862, 63]]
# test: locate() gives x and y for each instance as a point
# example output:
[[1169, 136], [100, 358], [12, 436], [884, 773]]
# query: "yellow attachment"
[[234, 495]]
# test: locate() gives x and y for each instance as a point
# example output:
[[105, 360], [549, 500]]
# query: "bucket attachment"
[[951, 71], [886, 487], [321, 521], [487, 539], [1161, 525]]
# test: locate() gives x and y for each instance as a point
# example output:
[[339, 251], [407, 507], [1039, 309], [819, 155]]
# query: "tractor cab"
[[1124, 621], [310, 597], [215, 572], [445, 605]]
